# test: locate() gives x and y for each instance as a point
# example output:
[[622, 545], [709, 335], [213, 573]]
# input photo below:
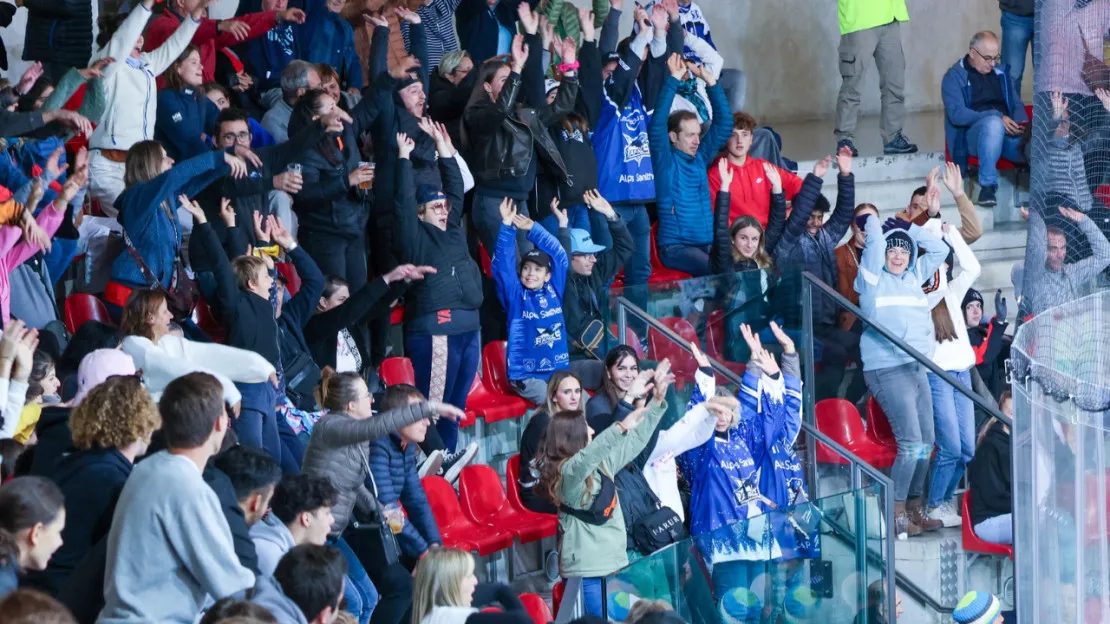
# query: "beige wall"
[[788, 48]]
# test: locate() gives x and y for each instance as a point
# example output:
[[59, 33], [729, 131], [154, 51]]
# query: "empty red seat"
[[557, 594], [683, 364], [715, 342], [537, 608], [455, 529], [660, 273], [630, 339], [512, 479], [289, 272], [972, 542], [878, 427], [397, 370], [483, 500], [207, 321], [397, 316], [493, 406], [839, 419], [82, 307]]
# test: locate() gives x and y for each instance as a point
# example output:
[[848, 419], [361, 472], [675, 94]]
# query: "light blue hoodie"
[[896, 302]]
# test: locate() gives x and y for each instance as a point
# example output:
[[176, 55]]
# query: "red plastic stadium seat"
[[455, 529], [397, 316], [973, 161], [630, 339], [483, 500], [715, 342], [492, 406], [484, 261], [397, 370], [207, 322], [537, 608], [683, 364], [878, 427], [557, 594], [82, 307], [495, 369], [839, 419], [972, 542], [289, 272], [660, 273]]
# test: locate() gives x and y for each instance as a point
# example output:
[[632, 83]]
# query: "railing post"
[[808, 396], [860, 500], [622, 320], [890, 591]]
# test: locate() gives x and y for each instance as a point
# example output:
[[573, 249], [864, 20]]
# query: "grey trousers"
[[903, 393], [885, 44]]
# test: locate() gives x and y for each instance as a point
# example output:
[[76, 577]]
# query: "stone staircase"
[[889, 181]]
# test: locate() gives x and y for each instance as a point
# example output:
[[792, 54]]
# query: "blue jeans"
[[360, 593], [257, 424], [578, 217], [954, 424], [692, 259], [987, 139], [637, 269], [591, 595], [453, 367], [903, 393], [1017, 35]]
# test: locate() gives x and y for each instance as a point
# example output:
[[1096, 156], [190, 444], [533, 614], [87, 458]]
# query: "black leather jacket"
[[501, 137]]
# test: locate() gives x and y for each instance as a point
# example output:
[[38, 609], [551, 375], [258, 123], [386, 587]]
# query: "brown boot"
[[903, 525], [916, 511]]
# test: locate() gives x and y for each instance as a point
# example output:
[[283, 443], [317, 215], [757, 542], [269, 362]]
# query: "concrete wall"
[[788, 48]]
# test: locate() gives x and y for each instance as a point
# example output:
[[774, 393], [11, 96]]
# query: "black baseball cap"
[[538, 258]]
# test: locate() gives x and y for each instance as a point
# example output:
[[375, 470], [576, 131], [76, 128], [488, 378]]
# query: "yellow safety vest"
[[856, 15]]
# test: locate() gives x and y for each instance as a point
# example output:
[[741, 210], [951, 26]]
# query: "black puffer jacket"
[[59, 31], [447, 101], [457, 284], [501, 138]]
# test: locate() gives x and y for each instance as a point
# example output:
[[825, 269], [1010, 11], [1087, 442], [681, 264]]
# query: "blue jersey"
[[624, 170], [537, 331]]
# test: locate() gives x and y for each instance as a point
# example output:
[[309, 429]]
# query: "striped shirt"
[[438, 18]]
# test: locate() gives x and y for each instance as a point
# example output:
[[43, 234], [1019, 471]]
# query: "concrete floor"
[[811, 140]]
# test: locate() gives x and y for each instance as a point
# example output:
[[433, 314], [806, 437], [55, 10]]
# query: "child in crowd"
[[43, 388], [988, 338], [532, 293], [989, 481]]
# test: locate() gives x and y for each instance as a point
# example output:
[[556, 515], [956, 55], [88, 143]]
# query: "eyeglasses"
[[240, 137], [989, 59]]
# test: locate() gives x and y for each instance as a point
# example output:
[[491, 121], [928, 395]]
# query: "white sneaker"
[[453, 463], [431, 465], [945, 514]]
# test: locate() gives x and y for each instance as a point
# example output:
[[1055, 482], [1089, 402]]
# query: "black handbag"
[[369, 535], [658, 529]]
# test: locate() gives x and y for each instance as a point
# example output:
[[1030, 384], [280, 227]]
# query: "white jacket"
[[172, 357], [14, 394], [448, 615], [691, 431], [954, 355], [129, 83]]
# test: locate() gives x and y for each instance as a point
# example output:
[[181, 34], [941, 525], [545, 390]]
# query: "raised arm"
[[721, 127], [613, 447], [560, 262], [935, 252], [873, 257], [503, 265], [161, 58], [347, 431], [1099, 259], [841, 219]]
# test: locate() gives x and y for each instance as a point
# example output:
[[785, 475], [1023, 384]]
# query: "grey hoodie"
[[267, 593], [271, 541]]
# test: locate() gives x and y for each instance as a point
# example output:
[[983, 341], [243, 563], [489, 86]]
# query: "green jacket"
[[96, 97], [857, 15], [564, 15], [589, 550]]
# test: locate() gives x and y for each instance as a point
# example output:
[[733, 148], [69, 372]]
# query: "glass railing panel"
[[802, 564]]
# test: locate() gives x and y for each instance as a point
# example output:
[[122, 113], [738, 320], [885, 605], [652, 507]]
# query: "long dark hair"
[[614, 357], [305, 112], [566, 435], [25, 502], [478, 95], [141, 304]]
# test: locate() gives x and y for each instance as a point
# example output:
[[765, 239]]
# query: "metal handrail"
[[858, 466], [812, 281]]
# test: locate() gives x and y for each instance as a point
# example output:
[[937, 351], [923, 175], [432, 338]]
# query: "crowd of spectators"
[[252, 198]]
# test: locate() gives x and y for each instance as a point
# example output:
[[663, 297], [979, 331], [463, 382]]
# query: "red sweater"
[[751, 193], [208, 39]]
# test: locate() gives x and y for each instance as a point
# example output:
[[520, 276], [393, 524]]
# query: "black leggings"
[[394, 585]]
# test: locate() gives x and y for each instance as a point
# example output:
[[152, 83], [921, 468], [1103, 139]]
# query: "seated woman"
[[147, 213], [445, 591], [564, 394], [989, 481], [111, 427], [164, 357], [622, 367], [32, 516]]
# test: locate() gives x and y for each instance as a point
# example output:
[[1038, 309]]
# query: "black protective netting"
[[1069, 151]]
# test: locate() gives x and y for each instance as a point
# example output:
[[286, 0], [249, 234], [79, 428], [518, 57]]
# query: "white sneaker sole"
[[452, 474], [431, 465]]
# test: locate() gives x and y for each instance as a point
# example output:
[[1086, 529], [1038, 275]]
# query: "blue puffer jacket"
[[393, 471], [326, 37], [537, 330], [955, 92], [896, 301], [681, 181], [147, 212]]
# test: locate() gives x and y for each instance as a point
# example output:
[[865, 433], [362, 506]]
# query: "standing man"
[[872, 28], [1017, 37], [59, 34]]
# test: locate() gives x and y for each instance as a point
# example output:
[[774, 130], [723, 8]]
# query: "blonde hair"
[[247, 269], [438, 581], [114, 414], [644, 607]]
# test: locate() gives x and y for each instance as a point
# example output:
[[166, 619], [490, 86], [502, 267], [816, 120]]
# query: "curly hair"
[[114, 414]]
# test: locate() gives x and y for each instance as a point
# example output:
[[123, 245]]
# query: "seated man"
[[300, 513], [307, 585], [244, 479], [984, 115]]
